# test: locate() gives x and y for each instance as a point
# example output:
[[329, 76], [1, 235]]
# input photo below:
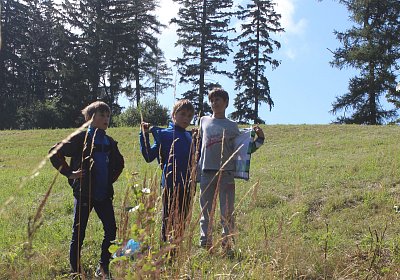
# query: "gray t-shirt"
[[212, 132]]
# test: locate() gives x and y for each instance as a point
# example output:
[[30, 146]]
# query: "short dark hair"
[[182, 104], [92, 108], [218, 92]]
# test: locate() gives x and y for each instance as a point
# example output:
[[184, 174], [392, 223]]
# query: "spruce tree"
[[160, 76], [88, 20], [15, 16], [255, 49], [40, 54], [139, 28], [203, 28], [372, 47], [28, 68], [118, 46]]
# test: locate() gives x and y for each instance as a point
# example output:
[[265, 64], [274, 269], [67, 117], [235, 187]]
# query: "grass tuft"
[[319, 205]]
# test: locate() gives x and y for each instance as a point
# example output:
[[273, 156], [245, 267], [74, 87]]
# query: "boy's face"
[[101, 120], [182, 118], [218, 104]]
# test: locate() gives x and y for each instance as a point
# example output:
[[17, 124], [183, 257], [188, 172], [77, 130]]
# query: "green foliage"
[[202, 30], [151, 110], [13, 78], [33, 54], [372, 47], [260, 22], [76, 52], [145, 72], [40, 115], [161, 76]]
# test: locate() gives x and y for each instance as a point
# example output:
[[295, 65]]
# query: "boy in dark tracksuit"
[[173, 149], [95, 165]]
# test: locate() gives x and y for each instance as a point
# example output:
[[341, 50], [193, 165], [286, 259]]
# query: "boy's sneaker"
[[229, 253], [208, 247], [228, 249], [100, 272], [75, 276], [232, 253]]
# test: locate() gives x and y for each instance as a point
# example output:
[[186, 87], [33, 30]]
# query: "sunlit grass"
[[323, 208]]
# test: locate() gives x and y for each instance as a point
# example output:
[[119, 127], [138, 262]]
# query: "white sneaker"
[[100, 273]]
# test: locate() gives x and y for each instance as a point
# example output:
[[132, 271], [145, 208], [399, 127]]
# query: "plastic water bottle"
[[129, 249]]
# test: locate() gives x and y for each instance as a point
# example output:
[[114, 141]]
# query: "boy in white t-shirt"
[[217, 168]]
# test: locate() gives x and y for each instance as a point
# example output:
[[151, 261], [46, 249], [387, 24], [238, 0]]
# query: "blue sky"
[[304, 86]]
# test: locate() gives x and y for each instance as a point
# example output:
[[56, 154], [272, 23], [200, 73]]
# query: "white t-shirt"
[[212, 132]]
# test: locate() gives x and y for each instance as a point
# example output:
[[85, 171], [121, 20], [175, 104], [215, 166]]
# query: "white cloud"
[[290, 53], [287, 9], [295, 28], [166, 11]]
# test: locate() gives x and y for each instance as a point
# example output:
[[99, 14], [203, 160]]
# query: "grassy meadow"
[[319, 205]]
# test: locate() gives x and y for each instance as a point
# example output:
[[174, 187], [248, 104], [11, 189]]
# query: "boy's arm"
[[259, 140], [61, 150], [149, 153], [119, 164]]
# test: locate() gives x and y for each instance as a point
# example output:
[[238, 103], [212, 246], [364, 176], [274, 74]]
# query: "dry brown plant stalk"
[[35, 222], [124, 217], [80, 188]]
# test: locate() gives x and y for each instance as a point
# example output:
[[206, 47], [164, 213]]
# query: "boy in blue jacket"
[[95, 165], [173, 149]]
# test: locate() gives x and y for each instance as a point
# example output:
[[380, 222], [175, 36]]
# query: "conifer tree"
[[41, 54], [15, 27], [88, 19], [372, 47], [202, 30], [139, 28], [118, 43], [256, 46], [160, 75], [28, 62]]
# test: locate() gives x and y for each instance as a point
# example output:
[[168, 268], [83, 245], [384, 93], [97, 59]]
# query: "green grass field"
[[322, 207]]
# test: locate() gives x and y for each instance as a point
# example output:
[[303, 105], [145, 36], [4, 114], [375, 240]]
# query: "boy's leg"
[[182, 199], [105, 212], [81, 215], [207, 193], [227, 206]]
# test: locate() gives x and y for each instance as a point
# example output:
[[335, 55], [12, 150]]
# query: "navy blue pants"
[[105, 211]]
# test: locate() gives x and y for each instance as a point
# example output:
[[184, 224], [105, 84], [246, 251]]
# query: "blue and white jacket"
[[173, 150]]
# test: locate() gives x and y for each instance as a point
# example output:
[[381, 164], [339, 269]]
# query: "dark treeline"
[[57, 58]]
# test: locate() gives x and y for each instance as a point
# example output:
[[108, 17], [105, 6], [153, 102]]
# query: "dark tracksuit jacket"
[[81, 153]]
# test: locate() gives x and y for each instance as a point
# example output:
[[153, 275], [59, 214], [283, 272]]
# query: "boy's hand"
[[195, 132], [145, 127], [76, 174], [259, 131]]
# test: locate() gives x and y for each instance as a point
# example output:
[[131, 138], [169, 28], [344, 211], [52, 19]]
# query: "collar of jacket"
[[96, 131], [176, 127]]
